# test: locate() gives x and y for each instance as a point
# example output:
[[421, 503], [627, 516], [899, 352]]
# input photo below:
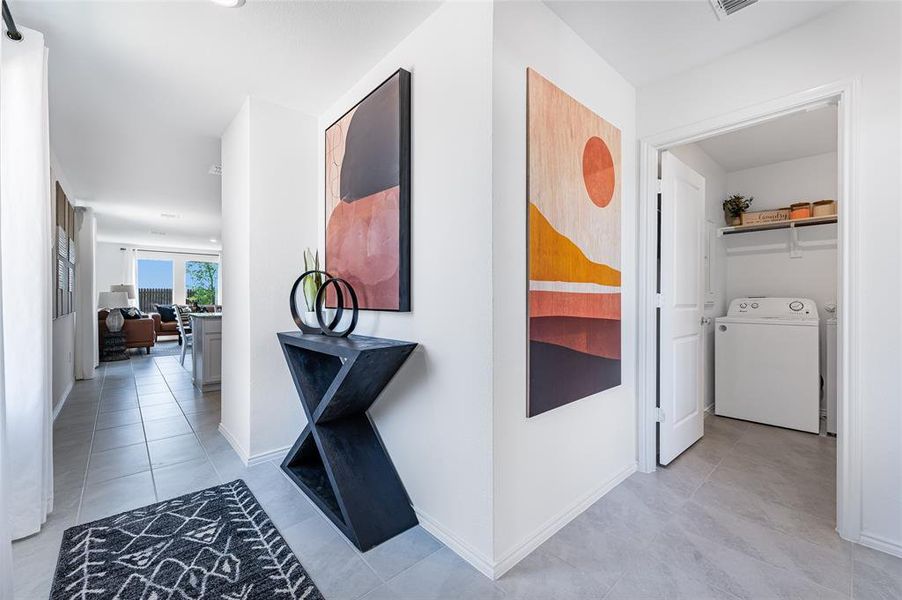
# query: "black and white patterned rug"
[[217, 543]]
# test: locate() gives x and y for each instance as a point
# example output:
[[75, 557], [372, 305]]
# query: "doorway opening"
[[746, 311]]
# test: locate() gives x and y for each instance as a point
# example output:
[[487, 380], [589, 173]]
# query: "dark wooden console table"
[[339, 460]]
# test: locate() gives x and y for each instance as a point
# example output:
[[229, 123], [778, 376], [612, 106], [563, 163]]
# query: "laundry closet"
[[769, 269]]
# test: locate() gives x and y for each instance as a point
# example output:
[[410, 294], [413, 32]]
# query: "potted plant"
[[734, 206], [311, 286]]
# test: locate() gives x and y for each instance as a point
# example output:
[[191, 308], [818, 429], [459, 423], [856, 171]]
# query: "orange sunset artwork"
[[574, 249]]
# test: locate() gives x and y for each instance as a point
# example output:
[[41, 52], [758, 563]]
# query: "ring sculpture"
[[331, 328], [320, 300]]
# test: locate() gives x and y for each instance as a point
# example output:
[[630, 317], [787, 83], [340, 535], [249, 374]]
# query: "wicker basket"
[[765, 216], [800, 210], [823, 208]]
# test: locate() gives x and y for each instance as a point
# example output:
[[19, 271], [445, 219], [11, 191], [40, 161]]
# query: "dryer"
[[766, 355]]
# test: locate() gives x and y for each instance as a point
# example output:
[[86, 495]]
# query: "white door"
[[681, 357]]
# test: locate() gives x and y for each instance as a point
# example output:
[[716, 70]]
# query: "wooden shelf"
[[776, 225]]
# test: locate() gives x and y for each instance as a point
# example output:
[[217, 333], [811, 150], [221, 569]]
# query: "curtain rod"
[[172, 252], [12, 32]]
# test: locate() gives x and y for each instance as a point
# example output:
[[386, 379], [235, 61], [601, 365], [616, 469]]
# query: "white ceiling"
[[649, 40], [801, 134], [140, 93]]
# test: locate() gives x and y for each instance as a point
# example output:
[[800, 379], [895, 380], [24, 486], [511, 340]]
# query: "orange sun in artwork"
[[598, 171]]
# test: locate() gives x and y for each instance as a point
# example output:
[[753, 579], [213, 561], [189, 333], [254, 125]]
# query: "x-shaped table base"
[[339, 460]]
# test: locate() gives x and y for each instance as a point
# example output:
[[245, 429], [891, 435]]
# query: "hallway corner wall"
[[267, 220], [435, 416], [551, 467]]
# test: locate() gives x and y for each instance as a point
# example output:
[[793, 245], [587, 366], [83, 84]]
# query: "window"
[[201, 281], [154, 283]]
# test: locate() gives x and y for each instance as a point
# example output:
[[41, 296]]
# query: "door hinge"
[[659, 414], [660, 186], [659, 300]]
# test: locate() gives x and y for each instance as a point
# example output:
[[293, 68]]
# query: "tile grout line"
[[153, 479], [84, 483], [190, 424], [713, 468], [852, 572], [731, 449], [398, 574], [768, 465]]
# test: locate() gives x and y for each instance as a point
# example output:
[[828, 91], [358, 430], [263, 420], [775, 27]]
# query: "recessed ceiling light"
[[229, 3], [214, 240]]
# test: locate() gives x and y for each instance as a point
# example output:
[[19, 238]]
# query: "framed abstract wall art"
[[368, 196], [574, 205]]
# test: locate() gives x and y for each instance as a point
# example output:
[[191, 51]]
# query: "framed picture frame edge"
[[405, 182]]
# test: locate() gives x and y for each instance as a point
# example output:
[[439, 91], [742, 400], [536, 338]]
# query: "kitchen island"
[[206, 333]]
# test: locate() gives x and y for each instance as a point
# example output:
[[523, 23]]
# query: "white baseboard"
[[267, 456], [247, 459], [241, 452], [460, 547], [494, 570], [61, 401], [556, 523], [880, 543]]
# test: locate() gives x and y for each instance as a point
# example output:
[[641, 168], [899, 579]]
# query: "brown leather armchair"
[[167, 328], [139, 333]]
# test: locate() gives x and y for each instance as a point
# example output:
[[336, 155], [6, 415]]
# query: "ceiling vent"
[[167, 215], [215, 170], [725, 8]]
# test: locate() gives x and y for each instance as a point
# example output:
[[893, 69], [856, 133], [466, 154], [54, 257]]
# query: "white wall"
[[63, 328], [435, 417], [549, 468], [63, 359], [780, 184], [716, 190], [759, 264], [108, 266], [236, 250], [86, 343], [858, 40], [269, 207]]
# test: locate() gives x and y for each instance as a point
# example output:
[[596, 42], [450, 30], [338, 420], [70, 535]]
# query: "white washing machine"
[[766, 353]]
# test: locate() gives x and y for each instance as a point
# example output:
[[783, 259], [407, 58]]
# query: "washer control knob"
[[796, 306], [754, 305], [743, 305]]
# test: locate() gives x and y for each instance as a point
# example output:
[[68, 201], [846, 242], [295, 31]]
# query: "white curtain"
[[130, 266], [6, 558], [25, 281]]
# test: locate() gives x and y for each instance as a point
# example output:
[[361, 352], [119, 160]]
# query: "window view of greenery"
[[200, 282]]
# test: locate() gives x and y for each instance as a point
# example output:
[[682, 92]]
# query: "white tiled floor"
[[745, 513]]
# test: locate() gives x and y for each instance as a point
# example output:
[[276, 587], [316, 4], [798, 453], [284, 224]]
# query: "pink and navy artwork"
[[368, 197]]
